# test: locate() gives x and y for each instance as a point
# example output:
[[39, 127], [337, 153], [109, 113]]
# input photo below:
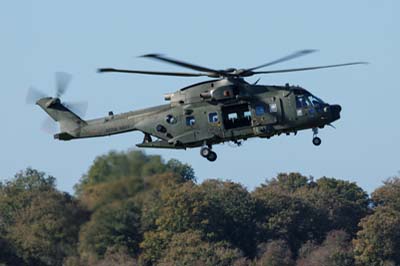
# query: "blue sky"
[[39, 38]]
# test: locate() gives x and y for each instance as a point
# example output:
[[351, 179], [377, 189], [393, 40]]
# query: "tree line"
[[136, 209]]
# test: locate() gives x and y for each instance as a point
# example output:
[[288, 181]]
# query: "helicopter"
[[225, 108]]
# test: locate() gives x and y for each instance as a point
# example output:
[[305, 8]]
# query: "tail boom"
[[70, 123]]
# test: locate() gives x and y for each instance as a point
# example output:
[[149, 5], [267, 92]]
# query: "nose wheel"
[[316, 140], [207, 153]]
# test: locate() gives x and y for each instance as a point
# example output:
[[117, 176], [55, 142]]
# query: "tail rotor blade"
[[49, 126], [33, 95], [62, 81], [79, 108]]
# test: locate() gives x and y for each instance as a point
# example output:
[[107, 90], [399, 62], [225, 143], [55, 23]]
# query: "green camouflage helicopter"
[[226, 108]]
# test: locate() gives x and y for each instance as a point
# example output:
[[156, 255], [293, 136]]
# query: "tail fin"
[[70, 123]]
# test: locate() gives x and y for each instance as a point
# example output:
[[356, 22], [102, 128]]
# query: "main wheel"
[[316, 141], [205, 151], [212, 156]]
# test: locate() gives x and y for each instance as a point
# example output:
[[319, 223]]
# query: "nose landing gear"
[[206, 152], [316, 140]]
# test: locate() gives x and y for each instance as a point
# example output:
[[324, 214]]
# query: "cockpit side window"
[[315, 101], [301, 101]]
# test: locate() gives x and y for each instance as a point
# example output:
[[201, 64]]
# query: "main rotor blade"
[[183, 64], [285, 58], [62, 81], [179, 74], [307, 68]]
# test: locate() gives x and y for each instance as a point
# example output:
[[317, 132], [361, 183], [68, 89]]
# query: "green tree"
[[232, 214], [116, 225], [39, 222], [185, 171], [134, 163], [388, 194], [16, 194], [220, 211], [152, 198], [281, 214], [342, 202], [378, 242], [188, 248], [288, 182], [121, 175]]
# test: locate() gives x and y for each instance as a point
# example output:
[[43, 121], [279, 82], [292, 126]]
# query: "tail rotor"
[[62, 80]]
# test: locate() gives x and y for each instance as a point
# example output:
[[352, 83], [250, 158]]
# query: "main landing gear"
[[316, 140], [206, 152]]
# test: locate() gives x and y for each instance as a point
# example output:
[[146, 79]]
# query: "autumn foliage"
[[134, 209]]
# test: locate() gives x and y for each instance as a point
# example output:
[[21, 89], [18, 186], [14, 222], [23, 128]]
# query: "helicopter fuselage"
[[210, 113]]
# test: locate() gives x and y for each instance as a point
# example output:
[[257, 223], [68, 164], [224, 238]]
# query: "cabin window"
[[273, 108], [232, 117], [213, 117], [170, 119], [190, 121], [247, 115], [161, 128], [260, 110]]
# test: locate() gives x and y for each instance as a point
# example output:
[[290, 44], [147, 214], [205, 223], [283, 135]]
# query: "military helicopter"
[[223, 109]]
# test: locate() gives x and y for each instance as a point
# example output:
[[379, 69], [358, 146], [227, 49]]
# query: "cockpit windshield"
[[305, 100], [315, 100]]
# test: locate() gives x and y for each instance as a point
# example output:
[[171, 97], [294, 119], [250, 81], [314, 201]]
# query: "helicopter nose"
[[335, 111]]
